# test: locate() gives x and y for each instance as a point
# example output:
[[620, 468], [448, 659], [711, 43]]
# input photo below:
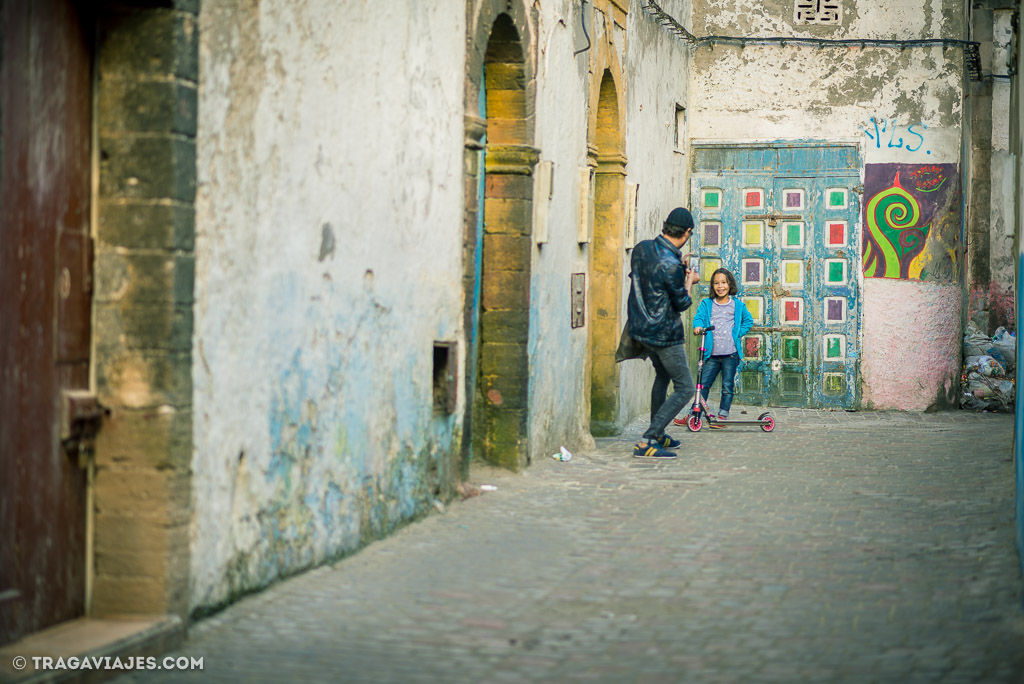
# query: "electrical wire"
[[971, 49], [583, 23]]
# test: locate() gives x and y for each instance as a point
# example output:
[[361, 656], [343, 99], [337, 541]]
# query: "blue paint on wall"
[[346, 466]]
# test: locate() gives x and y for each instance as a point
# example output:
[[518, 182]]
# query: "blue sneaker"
[[668, 442], [651, 450]]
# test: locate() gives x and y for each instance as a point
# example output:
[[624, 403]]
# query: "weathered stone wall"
[[792, 92], [148, 70]]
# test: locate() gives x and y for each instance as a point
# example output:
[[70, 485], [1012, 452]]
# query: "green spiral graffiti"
[[888, 213]]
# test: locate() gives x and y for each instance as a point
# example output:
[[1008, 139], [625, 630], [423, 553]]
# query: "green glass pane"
[[750, 381], [711, 199], [835, 272], [833, 349], [791, 349], [834, 384], [792, 383], [835, 198], [793, 234]]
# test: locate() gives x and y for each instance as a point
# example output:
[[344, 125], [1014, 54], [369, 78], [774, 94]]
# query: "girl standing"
[[732, 321]]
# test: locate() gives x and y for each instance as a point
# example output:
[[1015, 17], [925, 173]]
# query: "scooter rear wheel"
[[694, 423], [769, 422]]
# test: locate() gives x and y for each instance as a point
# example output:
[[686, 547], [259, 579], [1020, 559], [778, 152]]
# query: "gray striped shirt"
[[723, 316]]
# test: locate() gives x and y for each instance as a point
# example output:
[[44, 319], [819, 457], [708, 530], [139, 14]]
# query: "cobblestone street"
[[843, 547]]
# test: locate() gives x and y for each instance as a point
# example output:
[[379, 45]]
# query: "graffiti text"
[[877, 128]]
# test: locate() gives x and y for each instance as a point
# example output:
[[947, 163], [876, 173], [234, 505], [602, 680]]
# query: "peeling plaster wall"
[[915, 97], [907, 367], [559, 412], [328, 254], [657, 68]]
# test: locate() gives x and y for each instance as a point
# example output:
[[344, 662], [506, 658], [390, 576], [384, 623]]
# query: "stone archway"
[[498, 249], [607, 157]]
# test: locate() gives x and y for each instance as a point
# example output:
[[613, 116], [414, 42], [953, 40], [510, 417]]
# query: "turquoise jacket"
[[740, 327]]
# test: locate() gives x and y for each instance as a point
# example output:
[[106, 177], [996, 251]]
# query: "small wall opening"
[[444, 378]]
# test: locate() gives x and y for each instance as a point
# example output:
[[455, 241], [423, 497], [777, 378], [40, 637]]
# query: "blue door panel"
[[783, 219]]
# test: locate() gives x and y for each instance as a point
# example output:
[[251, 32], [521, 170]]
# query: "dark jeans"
[[726, 365], [669, 364]]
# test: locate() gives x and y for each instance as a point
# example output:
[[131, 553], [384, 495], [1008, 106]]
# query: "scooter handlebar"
[[707, 329]]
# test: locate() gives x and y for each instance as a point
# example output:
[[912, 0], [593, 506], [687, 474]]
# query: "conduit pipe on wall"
[[583, 23]]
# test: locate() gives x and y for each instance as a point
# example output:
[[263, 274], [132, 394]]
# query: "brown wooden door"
[[45, 307]]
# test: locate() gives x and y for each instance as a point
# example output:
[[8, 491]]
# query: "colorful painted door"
[[783, 218]]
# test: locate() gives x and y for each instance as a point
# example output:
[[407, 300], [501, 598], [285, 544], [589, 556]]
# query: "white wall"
[[328, 259], [775, 92], [654, 66], [559, 412], [657, 66], [1003, 255]]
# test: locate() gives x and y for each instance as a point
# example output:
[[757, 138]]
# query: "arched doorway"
[[501, 252], [606, 260]]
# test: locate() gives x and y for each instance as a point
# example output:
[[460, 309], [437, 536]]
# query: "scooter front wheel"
[[694, 423], [769, 422]]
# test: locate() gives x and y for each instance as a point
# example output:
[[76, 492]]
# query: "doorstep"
[[114, 637]]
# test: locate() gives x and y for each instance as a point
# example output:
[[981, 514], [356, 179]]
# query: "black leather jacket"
[[657, 293]]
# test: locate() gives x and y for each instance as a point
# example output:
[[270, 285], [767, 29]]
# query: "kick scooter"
[[699, 411]]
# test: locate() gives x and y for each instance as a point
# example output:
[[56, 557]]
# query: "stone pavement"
[[843, 547]]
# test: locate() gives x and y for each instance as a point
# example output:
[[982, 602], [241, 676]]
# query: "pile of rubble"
[[987, 380]]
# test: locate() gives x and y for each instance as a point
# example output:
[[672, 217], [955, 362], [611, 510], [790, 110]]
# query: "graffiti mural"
[[912, 221]]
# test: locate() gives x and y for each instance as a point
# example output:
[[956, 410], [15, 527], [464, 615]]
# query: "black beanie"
[[680, 217]]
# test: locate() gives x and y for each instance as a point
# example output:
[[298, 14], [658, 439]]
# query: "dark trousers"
[[669, 364]]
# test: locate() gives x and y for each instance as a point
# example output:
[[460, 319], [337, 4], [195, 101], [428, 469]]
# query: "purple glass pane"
[[792, 199], [753, 272], [711, 234], [835, 309]]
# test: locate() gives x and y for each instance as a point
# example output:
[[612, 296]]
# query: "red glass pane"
[[752, 347], [836, 233], [753, 199], [792, 311]]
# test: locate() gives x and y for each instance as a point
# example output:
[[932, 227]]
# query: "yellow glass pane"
[[752, 233], [793, 272], [709, 266], [754, 307]]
